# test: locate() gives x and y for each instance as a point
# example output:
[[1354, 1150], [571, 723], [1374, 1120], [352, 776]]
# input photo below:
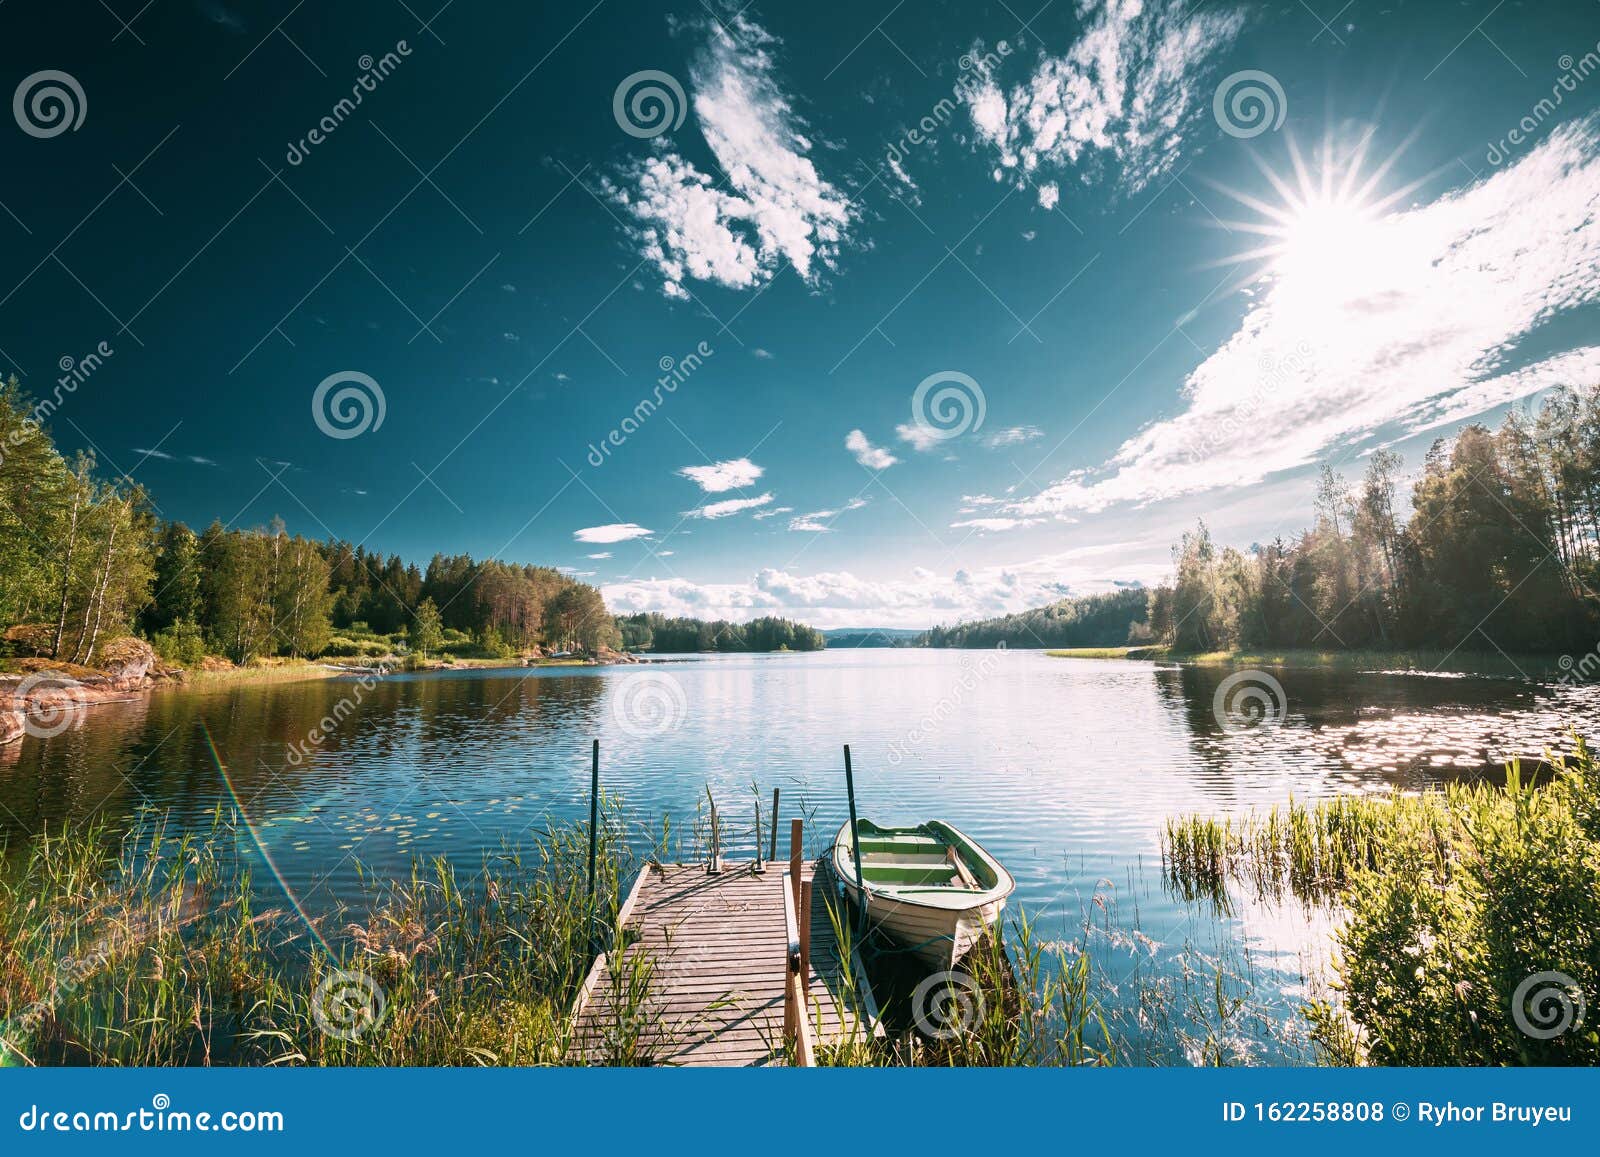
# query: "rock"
[[12, 724], [127, 662]]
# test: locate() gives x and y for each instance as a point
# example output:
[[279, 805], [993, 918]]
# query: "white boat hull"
[[939, 937]]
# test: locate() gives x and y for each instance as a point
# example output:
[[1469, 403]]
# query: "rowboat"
[[931, 888]]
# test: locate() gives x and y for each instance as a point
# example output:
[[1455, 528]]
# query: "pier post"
[[796, 857]]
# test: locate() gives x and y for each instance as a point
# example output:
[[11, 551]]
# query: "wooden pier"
[[733, 967]]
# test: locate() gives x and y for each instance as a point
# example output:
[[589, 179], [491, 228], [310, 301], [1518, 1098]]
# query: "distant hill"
[[1090, 621], [847, 637]]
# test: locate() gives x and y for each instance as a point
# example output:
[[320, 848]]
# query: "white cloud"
[[763, 355], [612, 532], [600, 554], [731, 506], [870, 456], [921, 599], [1391, 325], [994, 525], [1012, 436], [1121, 98], [922, 438], [776, 209], [718, 476], [774, 512], [821, 521]]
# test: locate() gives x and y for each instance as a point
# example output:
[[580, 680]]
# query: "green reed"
[[150, 950]]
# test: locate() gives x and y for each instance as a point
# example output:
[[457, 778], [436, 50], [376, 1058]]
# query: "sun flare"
[[1322, 236]]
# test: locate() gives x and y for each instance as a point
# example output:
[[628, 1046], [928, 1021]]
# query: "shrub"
[[1472, 927], [182, 643]]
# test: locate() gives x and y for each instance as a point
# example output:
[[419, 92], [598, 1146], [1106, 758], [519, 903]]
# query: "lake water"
[[1065, 769]]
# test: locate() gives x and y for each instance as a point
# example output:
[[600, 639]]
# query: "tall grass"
[[150, 950], [1470, 925]]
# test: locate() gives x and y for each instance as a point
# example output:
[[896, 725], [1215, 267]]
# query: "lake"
[[1066, 769]]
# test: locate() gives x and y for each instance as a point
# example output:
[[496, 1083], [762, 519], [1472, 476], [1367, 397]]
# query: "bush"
[[1472, 916], [183, 643]]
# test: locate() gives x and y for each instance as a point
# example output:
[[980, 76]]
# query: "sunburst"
[[1324, 235]]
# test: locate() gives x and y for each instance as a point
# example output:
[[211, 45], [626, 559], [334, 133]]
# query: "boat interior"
[[917, 857]]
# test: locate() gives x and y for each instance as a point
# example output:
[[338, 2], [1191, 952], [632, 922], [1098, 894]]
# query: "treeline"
[[84, 560], [1501, 552], [1105, 620], [656, 632]]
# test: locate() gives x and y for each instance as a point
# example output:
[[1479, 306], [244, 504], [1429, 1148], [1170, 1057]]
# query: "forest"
[[656, 632], [1501, 552], [1089, 621], [84, 560]]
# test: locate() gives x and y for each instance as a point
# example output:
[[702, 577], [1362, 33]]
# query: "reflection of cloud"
[[775, 209], [1399, 323], [1121, 98]]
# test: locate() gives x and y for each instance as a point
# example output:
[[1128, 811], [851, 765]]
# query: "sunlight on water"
[[1065, 769]]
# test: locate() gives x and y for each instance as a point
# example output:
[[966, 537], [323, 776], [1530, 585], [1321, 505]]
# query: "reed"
[[150, 950]]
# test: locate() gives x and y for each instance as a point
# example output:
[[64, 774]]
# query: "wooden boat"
[[931, 888]]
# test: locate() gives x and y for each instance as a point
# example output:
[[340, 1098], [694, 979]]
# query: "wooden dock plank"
[[715, 950]]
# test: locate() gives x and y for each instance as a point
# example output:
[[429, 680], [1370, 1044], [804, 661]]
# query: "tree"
[[427, 630]]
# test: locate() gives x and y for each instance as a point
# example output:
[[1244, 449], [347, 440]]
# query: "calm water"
[[1066, 769]]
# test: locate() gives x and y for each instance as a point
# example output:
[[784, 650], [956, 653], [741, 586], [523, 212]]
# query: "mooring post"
[[804, 919], [772, 853], [760, 867], [594, 817], [796, 859]]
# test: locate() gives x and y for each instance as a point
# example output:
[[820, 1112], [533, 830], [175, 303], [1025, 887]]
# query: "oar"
[[855, 833]]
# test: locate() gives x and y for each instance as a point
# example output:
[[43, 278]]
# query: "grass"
[[150, 950], [1466, 914], [1457, 662]]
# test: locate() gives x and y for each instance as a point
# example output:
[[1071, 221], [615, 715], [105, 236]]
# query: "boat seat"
[[924, 844], [942, 873]]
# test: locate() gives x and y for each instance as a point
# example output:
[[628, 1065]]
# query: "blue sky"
[[936, 310]]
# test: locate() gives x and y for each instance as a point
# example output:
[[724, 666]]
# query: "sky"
[[868, 314]]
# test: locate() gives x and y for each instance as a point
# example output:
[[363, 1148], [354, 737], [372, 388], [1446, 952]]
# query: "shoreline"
[[41, 688], [1545, 667]]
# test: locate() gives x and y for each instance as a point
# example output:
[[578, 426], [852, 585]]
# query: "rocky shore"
[[44, 697]]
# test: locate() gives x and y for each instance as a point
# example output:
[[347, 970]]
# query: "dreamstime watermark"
[[300, 751], [649, 703], [352, 411], [1547, 1004], [1573, 73], [1584, 669], [1249, 103], [50, 703], [160, 1117], [49, 103], [949, 705], [1276, 372], [947, 405], [348, 1005], [974, 73], [1249, 699], [947, 1005], [68, 979], [674, 372], [74, 372], [373, 73], [649, 103]]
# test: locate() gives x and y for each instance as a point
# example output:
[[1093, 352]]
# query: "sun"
[[1323, 237]]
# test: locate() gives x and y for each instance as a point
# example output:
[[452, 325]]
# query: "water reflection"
[[1065, 769]]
